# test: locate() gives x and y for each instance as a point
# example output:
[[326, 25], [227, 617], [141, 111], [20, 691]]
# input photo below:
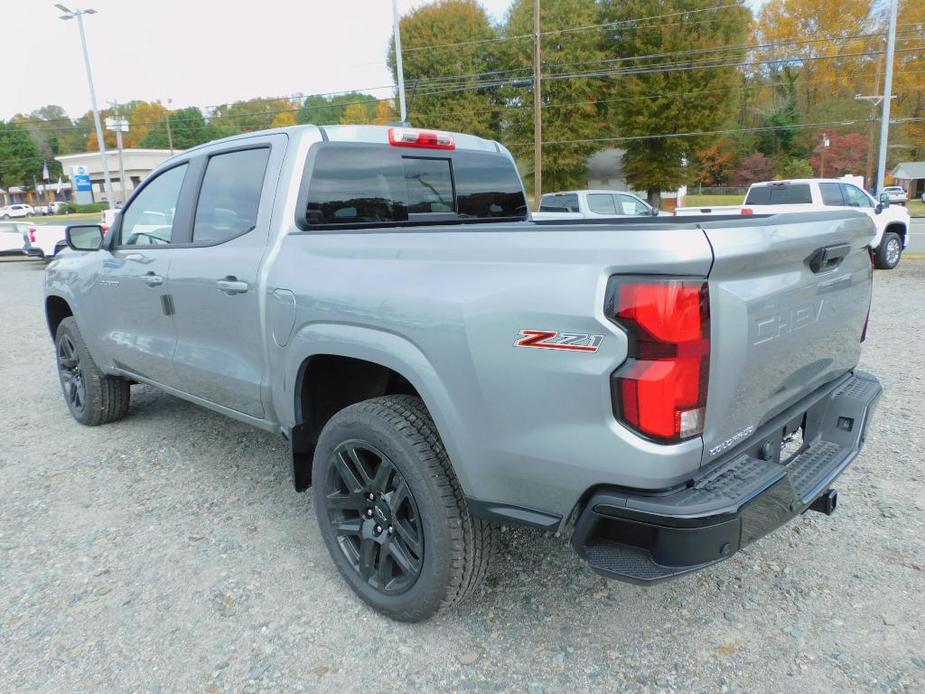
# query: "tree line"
[[691, 91]]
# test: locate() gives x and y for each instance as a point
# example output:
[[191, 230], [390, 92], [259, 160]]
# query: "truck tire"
[[889, 251], [391, 510], [93, 397]]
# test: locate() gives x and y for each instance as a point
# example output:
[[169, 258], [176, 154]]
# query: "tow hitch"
[[826, 503]]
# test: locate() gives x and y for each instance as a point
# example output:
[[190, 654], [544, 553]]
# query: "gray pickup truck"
[[666, 390]]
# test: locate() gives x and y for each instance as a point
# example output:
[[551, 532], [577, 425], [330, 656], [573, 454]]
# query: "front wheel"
[[392, 513], [92, 397], [889, 251]]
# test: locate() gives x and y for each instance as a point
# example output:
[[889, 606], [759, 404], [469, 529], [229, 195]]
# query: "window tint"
[[779, 194], [855, 197], [831, 194], [230, 195], [371, 184], [628, 204], [600, 203], [565, 202], [148, 220]]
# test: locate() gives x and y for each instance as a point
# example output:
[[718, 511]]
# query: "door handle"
[[153, 280], [232, 285], [828, 257]]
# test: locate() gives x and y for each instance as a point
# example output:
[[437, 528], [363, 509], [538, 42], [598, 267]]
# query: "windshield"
[[355, 184]]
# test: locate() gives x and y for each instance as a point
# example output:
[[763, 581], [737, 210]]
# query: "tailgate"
[[789, 295]]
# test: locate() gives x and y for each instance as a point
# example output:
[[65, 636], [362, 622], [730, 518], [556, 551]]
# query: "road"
[[168, 552], [917, 236]]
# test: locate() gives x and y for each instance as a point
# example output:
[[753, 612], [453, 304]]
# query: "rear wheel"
[[93, 397], [392, 513], [889, 251]]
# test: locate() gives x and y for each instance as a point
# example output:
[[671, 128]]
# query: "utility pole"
[[119, 125], [169, 133], [537, 111], [396, 30], [825, 146], [79, 15], [887, 96]]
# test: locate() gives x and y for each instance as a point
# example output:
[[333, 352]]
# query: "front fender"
[[380, 347]]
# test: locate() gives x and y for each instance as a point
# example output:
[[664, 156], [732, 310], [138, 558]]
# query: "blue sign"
[[82, 182]]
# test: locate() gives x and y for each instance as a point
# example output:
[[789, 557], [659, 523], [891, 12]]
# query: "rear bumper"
[[647, 537]]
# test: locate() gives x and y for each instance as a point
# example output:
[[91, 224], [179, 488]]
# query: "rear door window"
[[601, 203], [831, 194], [230, 195], [779, 194], [371, 185]]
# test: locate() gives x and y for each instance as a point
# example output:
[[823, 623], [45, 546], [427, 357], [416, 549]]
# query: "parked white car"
[[897, 195], [16, 239], [19, 210], [592, 204], [806, 194]]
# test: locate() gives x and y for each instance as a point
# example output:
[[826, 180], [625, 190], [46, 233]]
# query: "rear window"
[[564, 202], [361, 185], [779, 194]]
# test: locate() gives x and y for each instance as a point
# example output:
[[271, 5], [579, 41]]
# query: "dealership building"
[[85, 171]]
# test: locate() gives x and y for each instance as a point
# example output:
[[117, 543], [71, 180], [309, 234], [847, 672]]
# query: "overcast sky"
[[197, 52]]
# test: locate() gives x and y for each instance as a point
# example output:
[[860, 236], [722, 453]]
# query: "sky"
[[196, 52]]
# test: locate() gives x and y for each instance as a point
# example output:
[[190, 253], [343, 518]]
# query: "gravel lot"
[[168, 552]]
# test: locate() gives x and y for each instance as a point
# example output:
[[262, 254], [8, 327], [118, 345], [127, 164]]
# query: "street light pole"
[[887, 96], [537, 111], [396, 30], [169, 133], [78, 14]]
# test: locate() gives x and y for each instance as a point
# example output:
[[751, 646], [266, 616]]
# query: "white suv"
[[16, 211]]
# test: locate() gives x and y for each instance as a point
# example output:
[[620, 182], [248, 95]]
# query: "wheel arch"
[[57, 309], [897, 228], [344, 364]]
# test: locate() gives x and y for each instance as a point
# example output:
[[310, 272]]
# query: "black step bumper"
[[646, 537]]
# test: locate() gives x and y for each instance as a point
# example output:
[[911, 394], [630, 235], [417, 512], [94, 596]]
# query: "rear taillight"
[[412, 137], [661, 389], [31, 234], [746, 211]]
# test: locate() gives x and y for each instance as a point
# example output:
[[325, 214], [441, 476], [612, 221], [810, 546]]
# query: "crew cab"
[[665, 389], [798, 195], [592, 204]]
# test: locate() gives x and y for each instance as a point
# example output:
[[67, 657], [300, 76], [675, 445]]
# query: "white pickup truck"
[[592, 204], [807, 194]]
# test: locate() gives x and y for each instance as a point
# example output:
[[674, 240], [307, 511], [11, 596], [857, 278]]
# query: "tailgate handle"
[[828, 257]]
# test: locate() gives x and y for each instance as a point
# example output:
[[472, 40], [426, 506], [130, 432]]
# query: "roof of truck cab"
[[801, 180], [590, 190], [371, 134]]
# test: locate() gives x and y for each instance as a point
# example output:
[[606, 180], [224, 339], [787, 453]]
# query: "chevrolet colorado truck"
[[667, 390], [803, 195]]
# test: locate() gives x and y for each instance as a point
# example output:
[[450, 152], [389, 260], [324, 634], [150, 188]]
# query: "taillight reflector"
[[31, 234], [412, 137], [661, 390], [747, 211]]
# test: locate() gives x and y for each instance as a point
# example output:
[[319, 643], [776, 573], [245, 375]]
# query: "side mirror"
[[653, 211], [885, 199], [84, 237]]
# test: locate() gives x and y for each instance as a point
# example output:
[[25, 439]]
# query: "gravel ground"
[[168, 552]]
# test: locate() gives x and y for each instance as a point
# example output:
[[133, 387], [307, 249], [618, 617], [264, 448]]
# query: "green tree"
[[250, 115], [329, 110], [652, 98], [450, 87], [188, 127], [20, 159], [570, 105]]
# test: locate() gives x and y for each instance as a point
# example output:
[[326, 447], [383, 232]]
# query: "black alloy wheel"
[[374, 517], [75, 390]]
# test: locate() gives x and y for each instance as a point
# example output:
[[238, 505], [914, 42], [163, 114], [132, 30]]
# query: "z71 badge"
[[553, 339]]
